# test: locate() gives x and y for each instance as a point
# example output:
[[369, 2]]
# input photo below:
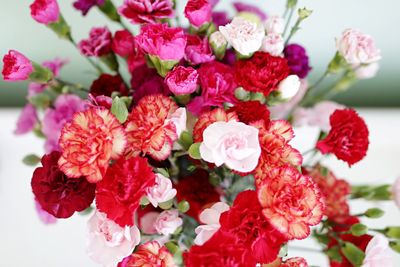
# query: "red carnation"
[[98, 44], [261, 73], [348, 137], [123, 43], [146, 11], [197, 190], [56, 193], [106, 84], [125, 183], [251, 111]]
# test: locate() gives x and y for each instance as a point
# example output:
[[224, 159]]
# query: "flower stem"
[[291, 12], [94, 64]]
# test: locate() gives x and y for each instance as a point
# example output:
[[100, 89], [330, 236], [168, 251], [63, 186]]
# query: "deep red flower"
[[348, 137], [123, 43], [118, 194], [245, 221], [146, 11], [251, 111], [56, 193], [197, 190], [261, 73], [106, 84]]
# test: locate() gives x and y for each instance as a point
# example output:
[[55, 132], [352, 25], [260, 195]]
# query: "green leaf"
[[194, 151], [162, 66], [119, 109], [334, 254], [358, 229], [172, 247], [186, 140], [353, 254], [395, 245], [374, 213], [31, 160], [40, 74], [393, 232]]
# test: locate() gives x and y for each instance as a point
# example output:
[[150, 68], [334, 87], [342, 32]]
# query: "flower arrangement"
[[188, 160]]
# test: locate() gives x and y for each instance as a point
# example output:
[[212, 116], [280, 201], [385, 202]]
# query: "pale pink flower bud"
[[378, 253], [275, 24], [289, 87], [162, 191], [167, 222], [45, 11], [273, 44]]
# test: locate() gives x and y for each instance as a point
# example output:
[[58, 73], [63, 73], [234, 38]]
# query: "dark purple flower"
[[242, 7], [220, 18], [85, 5], [297, 59]]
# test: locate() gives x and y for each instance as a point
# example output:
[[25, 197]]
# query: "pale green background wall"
[[377, 17]]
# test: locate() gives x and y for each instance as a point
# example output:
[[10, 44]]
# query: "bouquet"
[[180, 149]]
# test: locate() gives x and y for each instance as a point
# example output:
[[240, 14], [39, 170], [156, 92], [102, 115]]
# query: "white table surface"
[[25, 241]]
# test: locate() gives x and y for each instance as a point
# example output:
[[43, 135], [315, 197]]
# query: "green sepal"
[[61, 28], [40, 74], [353, 254], [119, 109], [162, 66], [194, 151]]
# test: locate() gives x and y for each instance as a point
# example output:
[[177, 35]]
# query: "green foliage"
[[31, 160], [119, 109], [353, 254]]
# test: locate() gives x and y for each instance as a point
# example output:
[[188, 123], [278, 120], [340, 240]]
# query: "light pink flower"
[[367, 72], [98, 44], [182, 80], [275, 25], [357, 48], [162, 41], [233, 143], [27, 120], [179, 119], [198, 12], [148, 221], [45, 11], [162, 191], [378, 253], [273, 44], [198, 50], [210, 219], [167, 222], [109, 243], [43, 215], [16, 67], [396, 192], [316, 116]]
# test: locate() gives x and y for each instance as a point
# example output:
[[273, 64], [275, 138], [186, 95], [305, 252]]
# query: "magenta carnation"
[[182, 80], [98, 44], [297, 59], [146, 11], [85, 5], [45, 11], [198, 50], [198, 12], [16, 67]]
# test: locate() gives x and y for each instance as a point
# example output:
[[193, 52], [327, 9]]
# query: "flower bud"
[[374, 213], [393, 232], [289, 87], [304, 13], [218, 44], [242, 94], [358, 229]]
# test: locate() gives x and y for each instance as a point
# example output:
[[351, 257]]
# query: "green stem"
[[294, 29], [96, 66], [288, 21]]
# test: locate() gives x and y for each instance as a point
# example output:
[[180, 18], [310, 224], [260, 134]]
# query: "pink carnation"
[[162, 191], [98, 44], [198, 50], [182, 80], [167, 222], [27, 120], [45, 11], [162, 41], [198, 12], [16, 67], [378, 253], [146, 11]]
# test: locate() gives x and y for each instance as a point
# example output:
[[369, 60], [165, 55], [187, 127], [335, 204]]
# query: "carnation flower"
[[123, 43], [367, 72], [55, 65], [297, 60], [348, 137], [151, 254], [55, 118], [182, 80], [295, 262], [396, 192], [146, 11], [45, 11], [274, 25], [43, 215], [217, 87], [167, 222], [98, 44], [243, 7], [245, 36], [245, 221], [357, 48], [147, 222], [148, 130], [16, 67], [56, 193], [273, 44], [89, 142], [210, 219], [198, 50], [109, 243], [378, 252], [234, 144], [162, 41], [197, 190], [85, 5], [261, 73], [251, 111], [27, 120], [291, 202], [106, 84], [198, 12], [208, 118], [161, 192]]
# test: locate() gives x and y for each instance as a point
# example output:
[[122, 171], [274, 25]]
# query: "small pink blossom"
[[198, 50], [161, 192], [198, 12], [378, 253], [210, 219], [273, 44], [357, 48], [16, 67], [367, 72], [275, 25], [44, 216], [45, 11], [179, 119], [396, 192], [26, 120], [55, 65], [233, 143], [98, 44], [148, 221], [182, 80], [167, 222], [109, 243]]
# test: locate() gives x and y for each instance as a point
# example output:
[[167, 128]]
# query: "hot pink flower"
[[291, 202], [198, 12], [146, 11], [396, 192], [378, 253], [182, 80], [167, 222], [27, 120], [16, 67], [85, 5], [162, 41], [198, 50], [151, 254], [98, 44], [89, 142], [45, 11], [109, 243], [162, 191], [123, 43]]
